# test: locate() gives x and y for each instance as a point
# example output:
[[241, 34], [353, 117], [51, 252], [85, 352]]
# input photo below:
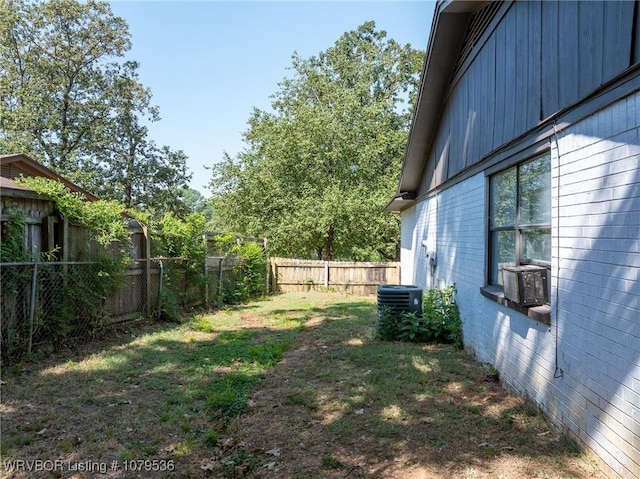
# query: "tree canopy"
[[318, 169], [68, 99]]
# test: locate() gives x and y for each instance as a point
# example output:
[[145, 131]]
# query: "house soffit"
[[448, 32]]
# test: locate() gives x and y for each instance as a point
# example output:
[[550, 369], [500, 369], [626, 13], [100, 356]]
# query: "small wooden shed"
[[44, 231]]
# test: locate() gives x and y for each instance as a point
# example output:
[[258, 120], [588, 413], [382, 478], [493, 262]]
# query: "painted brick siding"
[[596, 269], [461, 246], [452, 224], [591, 386], [408, 248]]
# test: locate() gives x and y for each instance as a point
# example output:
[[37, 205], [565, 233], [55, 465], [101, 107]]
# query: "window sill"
[[541, 314]]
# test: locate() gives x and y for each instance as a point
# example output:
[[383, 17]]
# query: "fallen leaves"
[[234, 458], [275, 452]]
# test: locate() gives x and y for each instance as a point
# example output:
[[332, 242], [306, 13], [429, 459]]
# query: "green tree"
[[318, 169], [68, 99], [197, 203], [131, 168], [56, 76]]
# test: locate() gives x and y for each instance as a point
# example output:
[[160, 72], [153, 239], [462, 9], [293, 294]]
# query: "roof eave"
[[450, 21], [47, 173], [401, 201]]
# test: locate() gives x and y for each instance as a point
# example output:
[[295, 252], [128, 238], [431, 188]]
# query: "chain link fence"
[[43, 305], [191, 286], [50, 305], [185, 280]]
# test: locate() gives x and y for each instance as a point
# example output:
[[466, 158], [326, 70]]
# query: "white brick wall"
[[408, 248], [595, 285], [597, 235]]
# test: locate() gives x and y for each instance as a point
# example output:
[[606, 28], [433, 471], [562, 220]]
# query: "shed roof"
[[11, 189], [16, 165], [6, 183]]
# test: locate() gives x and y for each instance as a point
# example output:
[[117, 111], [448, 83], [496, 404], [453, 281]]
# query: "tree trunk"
[[330, 239]]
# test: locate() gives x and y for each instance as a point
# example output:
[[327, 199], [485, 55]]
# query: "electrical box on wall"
[[526, 285]]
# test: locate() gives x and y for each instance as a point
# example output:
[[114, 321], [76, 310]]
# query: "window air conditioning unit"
[[526, 285]]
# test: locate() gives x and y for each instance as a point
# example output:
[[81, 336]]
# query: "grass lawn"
[[293, 386]]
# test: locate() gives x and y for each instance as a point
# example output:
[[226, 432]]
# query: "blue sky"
[[209, 63]]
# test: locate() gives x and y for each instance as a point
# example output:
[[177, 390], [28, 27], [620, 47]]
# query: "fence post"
[[65, 239], [51, 244], [267, 267], [219, 288], [206, 269], [274, 275], [145, 232], [206, 284], [65, 251], [32, 305], [326, 274]]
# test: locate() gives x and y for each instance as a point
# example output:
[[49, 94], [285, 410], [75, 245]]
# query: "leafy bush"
[[249, 274], [442, 316], [440, 320], [388, 326], [103, 218], [413, 328], [11, 246], [168, 307], [184, 239], [76, 298], [221, 244]]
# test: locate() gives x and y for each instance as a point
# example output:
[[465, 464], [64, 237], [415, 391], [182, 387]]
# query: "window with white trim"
[[520, 216]]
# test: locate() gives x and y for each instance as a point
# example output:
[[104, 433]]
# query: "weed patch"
[[330, 462], [229, 396]]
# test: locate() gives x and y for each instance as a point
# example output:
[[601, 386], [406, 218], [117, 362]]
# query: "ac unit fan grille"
[[400, 298]]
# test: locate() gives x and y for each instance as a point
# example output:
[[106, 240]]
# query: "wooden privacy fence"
[[361, 279]]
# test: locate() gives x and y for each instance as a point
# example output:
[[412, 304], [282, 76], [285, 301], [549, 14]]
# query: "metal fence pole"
[[267, 268], [206, 279], [219, 279], [147, 255], [326, 274], [32, 305]]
